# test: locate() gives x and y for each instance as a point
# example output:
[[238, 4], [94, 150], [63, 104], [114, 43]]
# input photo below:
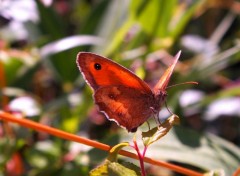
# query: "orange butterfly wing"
[[119, 94], [126, 106], [100, 71]]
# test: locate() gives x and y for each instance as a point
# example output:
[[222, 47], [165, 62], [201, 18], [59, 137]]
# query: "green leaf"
[[101, 170], [50, 22], [182, 17], [157, 133], [114, 151], [93, 20], [149, 16], [166, 17], [132, 167], [12, 68], [118, 37], [115, 169]]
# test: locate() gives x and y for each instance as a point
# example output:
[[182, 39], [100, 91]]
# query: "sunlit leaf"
[[122, 170], [115, 169], [157, 133], [114, 151], [101, 170]]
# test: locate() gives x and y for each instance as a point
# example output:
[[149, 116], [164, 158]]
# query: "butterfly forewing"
[[99, 71]]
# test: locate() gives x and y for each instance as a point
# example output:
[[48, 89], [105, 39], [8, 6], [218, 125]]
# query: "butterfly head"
[[160, 98]]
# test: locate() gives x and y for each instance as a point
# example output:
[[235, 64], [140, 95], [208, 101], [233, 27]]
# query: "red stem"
[[144, 151], [141, 158]]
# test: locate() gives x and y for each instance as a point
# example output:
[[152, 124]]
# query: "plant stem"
[[141, 158], [144, 151]]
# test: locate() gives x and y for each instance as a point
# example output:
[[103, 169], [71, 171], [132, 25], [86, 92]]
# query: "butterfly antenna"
[[190, 82]]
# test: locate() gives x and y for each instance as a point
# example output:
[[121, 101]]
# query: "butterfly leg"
[[148, 125], [168, 108], [156, 117]]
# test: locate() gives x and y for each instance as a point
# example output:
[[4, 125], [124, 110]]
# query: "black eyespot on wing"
[[97, 66], [112, 96]]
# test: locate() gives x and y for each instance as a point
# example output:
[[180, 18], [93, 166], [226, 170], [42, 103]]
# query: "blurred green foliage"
[[38, 48]]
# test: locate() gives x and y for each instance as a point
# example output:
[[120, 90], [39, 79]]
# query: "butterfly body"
[[120, 94]]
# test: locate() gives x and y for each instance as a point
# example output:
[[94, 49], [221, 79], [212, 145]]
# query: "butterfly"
[[119, 93]]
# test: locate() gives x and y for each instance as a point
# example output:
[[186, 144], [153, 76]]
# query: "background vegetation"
[[39, 79]]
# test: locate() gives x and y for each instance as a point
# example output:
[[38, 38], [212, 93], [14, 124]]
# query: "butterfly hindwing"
[[127, 106]]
